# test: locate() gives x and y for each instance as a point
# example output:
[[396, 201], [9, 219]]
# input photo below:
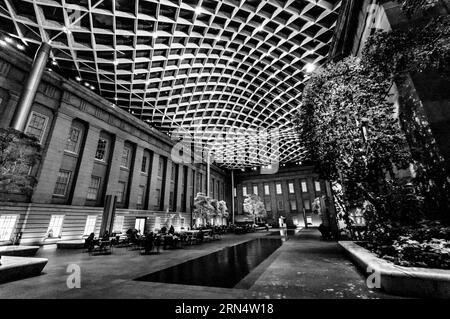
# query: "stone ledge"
[[20, 251], [398, 280], [70, 244], [15, 268]]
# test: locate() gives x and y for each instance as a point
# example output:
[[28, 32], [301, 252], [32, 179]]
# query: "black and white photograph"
[[227, 156]]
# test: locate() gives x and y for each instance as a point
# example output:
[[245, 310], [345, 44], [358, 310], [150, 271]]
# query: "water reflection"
[[224, 268]]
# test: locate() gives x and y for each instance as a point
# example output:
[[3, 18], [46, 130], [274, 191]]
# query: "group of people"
[[90, 242]]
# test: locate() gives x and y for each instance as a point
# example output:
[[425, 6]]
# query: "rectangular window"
[[140, 195], [266, 189], [93, 188], [278, 188], [55, 226], [234, 192], [158, 197], [118, 224], [317, 186], [304, 186], [160, 167], [280, 205], [125, 157], [74, 140], [182, 222], [291, 188], [139, 224], [100, 154], [244, 190], [307, 204], [255, 189], [7, 224], [157, 222], [36, 125], [121, 192], [144, 164], [90, 225], [172, 175], [62, 181], [268, 206], [293, 205]]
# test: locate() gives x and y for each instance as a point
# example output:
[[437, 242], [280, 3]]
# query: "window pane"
[[93, 188], [36, 125], [125, 157], [121, 192], [304, 187], [266, 190], [244, 190], [317, 186], [278, 186], [140, 196], [118, 224], [255, 190], [73, 140], [55, 226], [7, 224], [90, 225], [144, 164], [61, 183], [291, 188], [293, 205], [101, 149]]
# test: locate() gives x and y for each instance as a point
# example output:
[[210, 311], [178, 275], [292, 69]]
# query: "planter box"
[[15, 268], [398, 280], [20, 251]]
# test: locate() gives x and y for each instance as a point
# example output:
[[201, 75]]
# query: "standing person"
[[171, 230]]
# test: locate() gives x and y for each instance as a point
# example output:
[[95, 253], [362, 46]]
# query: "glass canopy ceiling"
[[229, 74]]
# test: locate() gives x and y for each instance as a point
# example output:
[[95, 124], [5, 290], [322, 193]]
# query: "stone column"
[[179, 187], [52, 159], [114, 169], [153, 181], [23, 109], [189, 190], [166, 183], [135, 176], [86, 166]]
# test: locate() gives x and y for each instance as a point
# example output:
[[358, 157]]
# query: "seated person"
[[200, 236], [89, 243], [171, 230], [325, 231], [148, 243]]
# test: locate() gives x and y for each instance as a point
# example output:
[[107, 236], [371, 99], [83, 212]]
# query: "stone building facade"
[[92, 149]]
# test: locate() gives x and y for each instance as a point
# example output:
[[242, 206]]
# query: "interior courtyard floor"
[[304, 266]]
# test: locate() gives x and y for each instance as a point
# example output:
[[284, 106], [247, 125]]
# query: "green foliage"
[[203, 207], [338, 102], [18, 154], [411, 7], [253, 205]]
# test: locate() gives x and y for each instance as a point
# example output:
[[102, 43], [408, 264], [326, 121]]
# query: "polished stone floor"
[[303, 267]]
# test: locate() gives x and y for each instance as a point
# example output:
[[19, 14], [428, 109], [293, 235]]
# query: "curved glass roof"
[[229, 73]]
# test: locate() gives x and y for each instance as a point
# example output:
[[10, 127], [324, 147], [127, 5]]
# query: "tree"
[[223, 209], [18, 155], [254, 206], [202, 206]]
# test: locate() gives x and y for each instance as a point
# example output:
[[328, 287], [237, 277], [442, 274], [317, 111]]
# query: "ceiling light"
[[78, 78], [65, 30], [54, 62], [198, 10], [310, 68], [115, 62], [86, 84], [115, 99], [92, 87], [8, 39], [260, 28], [20, 47], [3, 43], [154, 35]]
